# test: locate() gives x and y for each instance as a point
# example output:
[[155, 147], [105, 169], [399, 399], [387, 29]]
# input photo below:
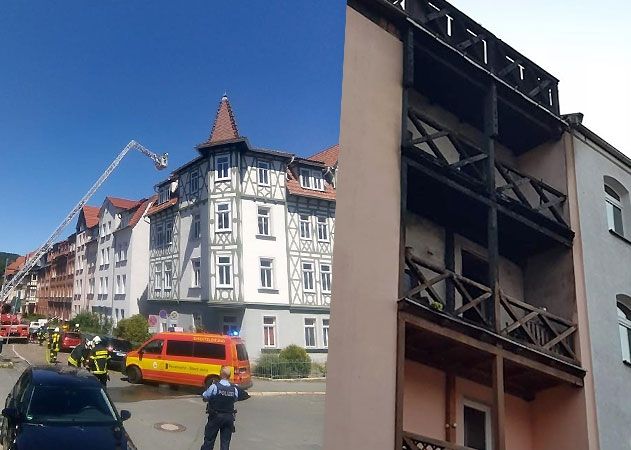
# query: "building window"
[[266, 266], [325, 333], [91, 286], [164, 194], [106, 286], [307, 276], [197, 226], [263, 221], [269, 331], [305, 226], [157, 280], [194, 181], [263, 173], [168, 280], [195, 282], [168, 233], [222, 167], [310, 332], [325, 277], [105, 256], [160, 235], [230, 326], [624, 326], [101, 286], [613, 203], [311, 179], [305, 178], [224, 271], [121, 281], [323, 229], [223, 216], [477, 426]]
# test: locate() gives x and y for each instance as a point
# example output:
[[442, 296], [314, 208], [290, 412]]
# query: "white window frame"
[[197, 226], [624, 328], [164, 194], [326, 326], [194, 181], [311, 276], [222, 167], [263, 221], [612, 203], [325, 275], [168, 233], [486, 409], [318, 181], [263, 173], [91, 283], [266, 273], [107, 285], [157, 277], [160, 234], [311, 179], [313, 328], [221, 267], [305, 227], [168, 279], [118, 284], [124, 284], [196, 278], [322, 224], [274, 328], [227, 212], [305, 178]]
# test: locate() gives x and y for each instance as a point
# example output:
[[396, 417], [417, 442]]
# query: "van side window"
[[179, 348], [242, 353], [154, 347], [212, 351]]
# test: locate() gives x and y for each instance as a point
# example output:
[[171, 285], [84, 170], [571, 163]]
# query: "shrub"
[[295, 361], [91, 323], [133, 329], [268, 366]]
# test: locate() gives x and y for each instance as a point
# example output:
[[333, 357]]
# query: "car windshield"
[[56, 404], [121, 345], [73, 335]]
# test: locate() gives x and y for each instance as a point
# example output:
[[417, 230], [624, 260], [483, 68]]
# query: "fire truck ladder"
[[160, 162]]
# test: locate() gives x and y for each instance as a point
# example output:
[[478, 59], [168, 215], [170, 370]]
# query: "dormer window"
[[311, 179], [164, 194]]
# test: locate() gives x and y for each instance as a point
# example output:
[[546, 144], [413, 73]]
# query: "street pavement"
[[279, 415]]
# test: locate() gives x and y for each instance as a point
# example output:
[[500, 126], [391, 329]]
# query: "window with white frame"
[[194, 181], [91, 286], [267, 276], [263, 173], [311, 179], [222, 167], [223, 210], [157, 277], [269, 331], [325, 277], [224, 271], [318, 182], [124, 247], [323, 229], [307, 276], [101, 286], [195, 282], [263, 221], [106, 286], [80, 287], [613, 202], [310, 332], [305, 178], [159, 234], [624, 327], [168, 233], [168, 271], [164, 194], [477, 425], [197, 226], [109, 227], [325, 333], [305, 226], [103, 230], [121, 280], [118, 284]]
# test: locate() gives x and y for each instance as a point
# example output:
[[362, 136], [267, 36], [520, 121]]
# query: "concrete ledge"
[[290, 379]]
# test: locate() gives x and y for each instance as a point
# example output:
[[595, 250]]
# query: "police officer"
[[221, 397], [97, 361], [54, 345]]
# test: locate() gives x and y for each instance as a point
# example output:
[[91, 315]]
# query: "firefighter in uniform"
[[221, 397], [79, 355], [97, 361], [53, 346]]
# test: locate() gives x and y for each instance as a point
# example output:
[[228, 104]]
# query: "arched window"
[[613, 202], [624, 327]]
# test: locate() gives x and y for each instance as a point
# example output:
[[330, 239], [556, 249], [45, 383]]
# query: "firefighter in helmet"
[[54, 345], [97, 361]]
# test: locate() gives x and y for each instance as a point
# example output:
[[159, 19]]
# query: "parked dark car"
[[69, 340], [61, 408], [118, 349]]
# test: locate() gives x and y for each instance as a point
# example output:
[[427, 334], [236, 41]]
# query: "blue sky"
[[78, 82]]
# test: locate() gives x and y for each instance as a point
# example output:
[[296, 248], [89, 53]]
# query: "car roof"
[[189, 336], [63, 376]]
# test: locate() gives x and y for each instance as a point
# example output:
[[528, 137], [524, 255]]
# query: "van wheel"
[[134, 375], [210, 380]]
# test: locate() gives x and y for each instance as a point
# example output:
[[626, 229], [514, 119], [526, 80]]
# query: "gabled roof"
[[91, 215], [122, 203], [328, 156], [225, 125], [141, 210], [154, 209]]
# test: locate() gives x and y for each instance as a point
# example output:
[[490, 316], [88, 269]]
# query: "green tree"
[[92, 323], [135, 329]]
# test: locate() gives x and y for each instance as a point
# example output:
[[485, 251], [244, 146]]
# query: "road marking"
[[20, 356]]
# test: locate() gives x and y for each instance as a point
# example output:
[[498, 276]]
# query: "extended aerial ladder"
[[160, 162]]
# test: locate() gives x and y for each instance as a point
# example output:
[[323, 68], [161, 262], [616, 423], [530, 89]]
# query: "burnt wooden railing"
[[478, 44], [520, 321], [450, 149], [413, 441]]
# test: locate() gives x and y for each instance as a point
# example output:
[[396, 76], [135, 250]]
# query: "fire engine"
[[11, 325]]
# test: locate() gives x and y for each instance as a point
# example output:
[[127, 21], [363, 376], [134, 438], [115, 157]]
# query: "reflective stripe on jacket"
[[98, 361]]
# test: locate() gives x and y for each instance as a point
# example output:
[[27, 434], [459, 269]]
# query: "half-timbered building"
[[242, 239]]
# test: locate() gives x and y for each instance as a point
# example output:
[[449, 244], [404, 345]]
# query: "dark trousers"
[[218, 422], [103, 377]]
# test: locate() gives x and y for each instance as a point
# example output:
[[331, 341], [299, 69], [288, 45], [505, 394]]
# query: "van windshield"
[[242, 353]]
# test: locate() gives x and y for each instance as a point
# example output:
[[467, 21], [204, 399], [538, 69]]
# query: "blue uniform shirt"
[[212, 390]]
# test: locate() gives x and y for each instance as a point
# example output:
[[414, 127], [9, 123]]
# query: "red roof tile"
[[328, 156], [225, 126], [140, 211], [91, 215], [123, 203], [294, 188], [161, 207]]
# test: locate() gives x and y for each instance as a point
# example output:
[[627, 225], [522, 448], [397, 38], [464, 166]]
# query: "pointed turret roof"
[[225, 126]]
